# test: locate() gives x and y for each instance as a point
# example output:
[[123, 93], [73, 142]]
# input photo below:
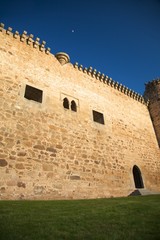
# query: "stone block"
[[3, 163], [39, 147], [19, 166], [75, 177], [47, 167], [21, 185]]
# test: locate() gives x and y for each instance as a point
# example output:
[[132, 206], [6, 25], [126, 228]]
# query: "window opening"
[[98, 117], [32, 93], [66, 103], [73, 106]]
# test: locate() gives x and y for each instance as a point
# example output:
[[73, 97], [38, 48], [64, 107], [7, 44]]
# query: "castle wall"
[[49, 152]]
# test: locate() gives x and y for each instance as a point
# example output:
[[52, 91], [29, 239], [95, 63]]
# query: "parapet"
[[152, 89], [152, 83], [26, 38], [110, 82]]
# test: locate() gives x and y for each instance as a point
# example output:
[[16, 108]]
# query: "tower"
[[152, 92]]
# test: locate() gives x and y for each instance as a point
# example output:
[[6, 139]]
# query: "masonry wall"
[[49, 152], [152, 92]]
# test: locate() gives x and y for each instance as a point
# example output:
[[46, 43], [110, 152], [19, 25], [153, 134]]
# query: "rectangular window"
[[34, 94], [98, 117]]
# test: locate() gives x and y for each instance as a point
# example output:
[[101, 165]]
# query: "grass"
[[129, 218]]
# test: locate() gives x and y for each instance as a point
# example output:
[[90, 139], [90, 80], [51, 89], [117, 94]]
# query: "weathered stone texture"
[[50, 152], [152, 92]]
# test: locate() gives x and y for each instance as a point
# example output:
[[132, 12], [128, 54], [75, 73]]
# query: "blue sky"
[[119, 38]]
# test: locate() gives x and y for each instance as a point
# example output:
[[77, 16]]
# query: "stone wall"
[[152, 92], [51, 152]]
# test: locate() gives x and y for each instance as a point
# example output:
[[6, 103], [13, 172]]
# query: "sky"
[[120, 38]]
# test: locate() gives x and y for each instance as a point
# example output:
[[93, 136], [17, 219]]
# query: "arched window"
[[137, 177], [73, 106], [66, 103]]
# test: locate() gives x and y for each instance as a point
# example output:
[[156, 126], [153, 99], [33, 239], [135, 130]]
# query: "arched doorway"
[[137, 177]]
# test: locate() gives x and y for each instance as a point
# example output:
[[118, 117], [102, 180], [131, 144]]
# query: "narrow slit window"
[[66, 103], [73, 106], [98, 117], [32, 93]]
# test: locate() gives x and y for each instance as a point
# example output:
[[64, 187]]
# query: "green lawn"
[[116, 218]]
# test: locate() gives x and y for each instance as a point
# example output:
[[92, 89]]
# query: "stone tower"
[[152, 92]]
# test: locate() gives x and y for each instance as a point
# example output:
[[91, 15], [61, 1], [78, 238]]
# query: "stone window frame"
[[98, 117], [73, 102], [27, 95]]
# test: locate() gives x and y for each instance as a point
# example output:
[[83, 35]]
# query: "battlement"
[[151, 89], [28, 39], [110, 82], [153, 83], [64, 58]]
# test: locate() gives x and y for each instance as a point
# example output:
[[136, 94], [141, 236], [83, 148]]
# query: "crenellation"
[[23, 36], [147, 102], [47, 50], [98, 75], [110, 82], [42, 46], [105, 79], [9, 31], [1, 27], [30, 39], [89, 71], [136, 96], [142, 100], [102, 77], [116, 85], [119, 87], [85, 70], [123, 88], [153, 83], [80, 67], [16, 34], [126, 91], [131, 93], [75, 65], [94, 73], [36, 43]]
